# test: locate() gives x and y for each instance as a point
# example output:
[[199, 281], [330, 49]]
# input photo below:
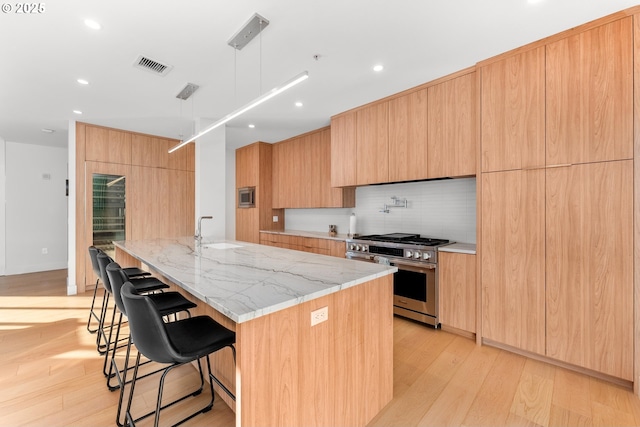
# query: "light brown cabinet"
[[451, 127], [512, 112], [589, 303], [302, 174], [343, 150], [457, 287], [372, 144], [513, 258], [107, 145], [253, 169], [408, 137], [306, 244], [589, 95]]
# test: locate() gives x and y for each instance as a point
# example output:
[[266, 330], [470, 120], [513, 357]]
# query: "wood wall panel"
[[149, 151], [107, 145], [160, 201], [512, 111], [589, 96], [457, 286], [408, 137], [513, 258], [351, 354], [636, 201], [451, 127], [182, 159], [590, 266]]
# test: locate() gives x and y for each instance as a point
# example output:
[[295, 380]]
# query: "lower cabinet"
[[305, 244], [457, 288], [557, 263]]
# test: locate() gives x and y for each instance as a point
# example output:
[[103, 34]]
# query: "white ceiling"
[[42, 55]]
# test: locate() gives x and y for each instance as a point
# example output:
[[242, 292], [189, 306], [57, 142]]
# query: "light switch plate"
[[275, 218]]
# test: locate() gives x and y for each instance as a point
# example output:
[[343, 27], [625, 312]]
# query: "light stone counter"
[[244, 281], [461, 248], [313, 234]]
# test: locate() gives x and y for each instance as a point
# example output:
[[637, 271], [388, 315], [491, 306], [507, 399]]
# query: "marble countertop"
[[314, 234], [243, 280], [461, 248]]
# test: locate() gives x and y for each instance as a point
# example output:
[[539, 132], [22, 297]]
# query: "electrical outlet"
[[275, 218], [320, 315], [45, 251]]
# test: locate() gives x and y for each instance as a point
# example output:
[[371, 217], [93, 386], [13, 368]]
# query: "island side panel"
[[339, 372]]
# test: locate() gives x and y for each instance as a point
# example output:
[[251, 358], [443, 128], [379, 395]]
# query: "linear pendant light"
[[259, 100]]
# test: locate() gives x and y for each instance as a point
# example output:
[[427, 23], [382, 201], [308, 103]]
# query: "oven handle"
[[413, 266]]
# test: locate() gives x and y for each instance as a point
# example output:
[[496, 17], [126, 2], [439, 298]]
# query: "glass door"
[[109, 207]]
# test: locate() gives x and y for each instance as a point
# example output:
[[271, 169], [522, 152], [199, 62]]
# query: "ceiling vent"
[[151, 65]]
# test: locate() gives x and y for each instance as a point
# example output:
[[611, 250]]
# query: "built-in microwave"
[[247, 197]]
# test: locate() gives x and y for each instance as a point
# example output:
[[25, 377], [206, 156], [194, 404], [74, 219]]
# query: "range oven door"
[[415, 292]]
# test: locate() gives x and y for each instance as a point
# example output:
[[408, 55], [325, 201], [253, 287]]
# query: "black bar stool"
[[174, 343], [131, 271], [142, 284], [168, 303]]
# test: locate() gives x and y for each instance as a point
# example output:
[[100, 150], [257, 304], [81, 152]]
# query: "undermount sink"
[[220, 246]]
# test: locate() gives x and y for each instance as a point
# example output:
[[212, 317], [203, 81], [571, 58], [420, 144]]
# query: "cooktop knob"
[[408, 254], [426, 255], [352, 247], [358, 247], [417, 255]]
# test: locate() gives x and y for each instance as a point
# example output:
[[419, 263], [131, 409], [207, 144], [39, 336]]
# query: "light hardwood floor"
[[51, 375]]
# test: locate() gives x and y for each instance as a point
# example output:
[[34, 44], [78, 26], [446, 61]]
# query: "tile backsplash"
[[442, 209]]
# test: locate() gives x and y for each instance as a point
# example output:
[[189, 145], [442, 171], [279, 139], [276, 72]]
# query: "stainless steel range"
[[415, 285]]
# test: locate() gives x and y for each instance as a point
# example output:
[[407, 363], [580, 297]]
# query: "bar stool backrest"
[[147, 328], [117, 279]]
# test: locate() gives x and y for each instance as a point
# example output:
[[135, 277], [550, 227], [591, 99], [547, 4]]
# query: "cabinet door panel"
[[372, 148], [512, 104], [590, 96], [343, 150], [513, 258], [451, 127], [408, 137], [590, 266], [457, 285]]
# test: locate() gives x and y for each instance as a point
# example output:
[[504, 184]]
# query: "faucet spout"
[[198, 235]]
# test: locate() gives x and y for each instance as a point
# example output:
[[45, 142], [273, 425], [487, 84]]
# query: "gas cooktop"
[[405, 238]]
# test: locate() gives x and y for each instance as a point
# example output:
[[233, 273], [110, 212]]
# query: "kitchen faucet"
[[198, 235]]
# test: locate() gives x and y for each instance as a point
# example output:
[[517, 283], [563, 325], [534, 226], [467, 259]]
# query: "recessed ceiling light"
[[92, 24], [77, 111], [45, 130], [83, 81], [298, 104], [378, 68], [252, 126]]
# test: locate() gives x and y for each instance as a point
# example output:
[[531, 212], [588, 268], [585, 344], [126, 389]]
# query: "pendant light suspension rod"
[[259, 100]]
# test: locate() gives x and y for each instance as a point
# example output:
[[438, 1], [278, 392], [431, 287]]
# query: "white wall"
[[211, 160], [2, 207], [36, 208], [230, 201], [72, 287], [442, 209]]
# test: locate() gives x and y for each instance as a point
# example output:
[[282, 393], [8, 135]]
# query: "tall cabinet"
[[556, 197]]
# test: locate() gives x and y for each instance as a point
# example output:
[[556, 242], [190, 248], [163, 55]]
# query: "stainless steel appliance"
[[415, 285], [247, 197]]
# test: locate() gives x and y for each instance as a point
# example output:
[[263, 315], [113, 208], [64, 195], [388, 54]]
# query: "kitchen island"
[[287, 372]]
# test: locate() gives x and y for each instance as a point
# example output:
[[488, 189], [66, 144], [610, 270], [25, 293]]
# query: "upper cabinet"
[[512, 111], [108, 145], [451, 127], [343, 150], [372, 144], [302, 174], [408, 137], [589, 94], [427, 132]]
